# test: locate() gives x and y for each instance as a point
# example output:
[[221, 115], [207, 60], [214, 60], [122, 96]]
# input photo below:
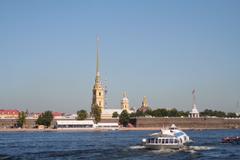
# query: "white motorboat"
[[171, 138]]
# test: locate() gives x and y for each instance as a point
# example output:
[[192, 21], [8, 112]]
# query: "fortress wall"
[[191, 123], [157, 122]]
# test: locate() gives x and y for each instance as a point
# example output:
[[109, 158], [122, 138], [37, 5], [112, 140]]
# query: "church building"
[[144, 107], [98, 89], [98, 97]]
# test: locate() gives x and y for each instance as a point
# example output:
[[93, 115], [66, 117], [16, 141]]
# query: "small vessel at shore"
[[233, 140], [171, 138]]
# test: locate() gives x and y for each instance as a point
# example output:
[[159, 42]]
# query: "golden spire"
[[97, 80]]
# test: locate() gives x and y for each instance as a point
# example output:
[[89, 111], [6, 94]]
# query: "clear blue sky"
[[159, 49]]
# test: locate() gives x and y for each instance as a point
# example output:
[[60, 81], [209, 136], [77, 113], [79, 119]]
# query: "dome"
[[125, 99]]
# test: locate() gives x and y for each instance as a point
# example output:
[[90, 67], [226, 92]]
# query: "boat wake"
[[200, 148], [137, 147], [190, 149], [194, 149]]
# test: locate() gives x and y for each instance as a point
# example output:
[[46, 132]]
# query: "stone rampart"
[[190, 123]]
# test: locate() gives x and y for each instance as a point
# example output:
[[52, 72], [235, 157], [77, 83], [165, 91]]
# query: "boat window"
[[166, 140], [175, 141], [180, 140], [148, 140], [159, 141], [171, 141], [152, 140], [163, 141], [156, 140]]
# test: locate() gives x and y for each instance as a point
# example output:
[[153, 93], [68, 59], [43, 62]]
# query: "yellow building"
[[98, 97], [9, 113], [125, 103]]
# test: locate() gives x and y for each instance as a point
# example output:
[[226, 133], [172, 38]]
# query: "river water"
[[111, 145]]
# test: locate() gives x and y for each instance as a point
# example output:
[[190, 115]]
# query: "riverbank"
[[71, 130], [94, 130]]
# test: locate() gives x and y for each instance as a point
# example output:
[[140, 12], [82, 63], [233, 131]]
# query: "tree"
[[209, 112], [133, 114], [45, 119], [183, 114], [157, 113], [173, 113], [21, 119], [115, 115], [97, 113], [148, 112], [82, 115], [124, 118], [139, 113]]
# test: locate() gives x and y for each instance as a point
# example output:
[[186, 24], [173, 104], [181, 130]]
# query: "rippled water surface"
[[111, 145]]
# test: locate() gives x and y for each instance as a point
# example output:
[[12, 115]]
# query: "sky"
[[158, 49]]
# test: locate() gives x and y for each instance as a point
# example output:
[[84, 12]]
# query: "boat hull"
[[162, 147]]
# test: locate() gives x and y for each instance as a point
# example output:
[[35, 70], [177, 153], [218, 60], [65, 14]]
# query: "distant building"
[[33, 115], [9, 113], [125, 103], [74, 124], [84, 124], [194, 113], [98, 97], [108, 126], [58, 115], [107, 113], [145, 105]]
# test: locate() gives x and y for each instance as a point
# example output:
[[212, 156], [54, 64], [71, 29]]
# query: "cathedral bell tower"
[[98, 90], [125, 103]]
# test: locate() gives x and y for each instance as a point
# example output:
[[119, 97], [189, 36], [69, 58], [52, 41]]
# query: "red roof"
[[55, 114], [9, 111]]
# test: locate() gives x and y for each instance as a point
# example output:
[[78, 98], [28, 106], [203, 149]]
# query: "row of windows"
[[107, 126], [162, 141], [8, 113], [74, 126]]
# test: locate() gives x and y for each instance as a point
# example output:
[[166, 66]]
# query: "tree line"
[[160, 112], [215, 113]]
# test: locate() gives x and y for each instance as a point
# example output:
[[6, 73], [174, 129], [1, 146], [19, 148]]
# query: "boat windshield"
[[178, 134]]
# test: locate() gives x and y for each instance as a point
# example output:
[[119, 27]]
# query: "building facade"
[[125, 103], [9, 113]]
